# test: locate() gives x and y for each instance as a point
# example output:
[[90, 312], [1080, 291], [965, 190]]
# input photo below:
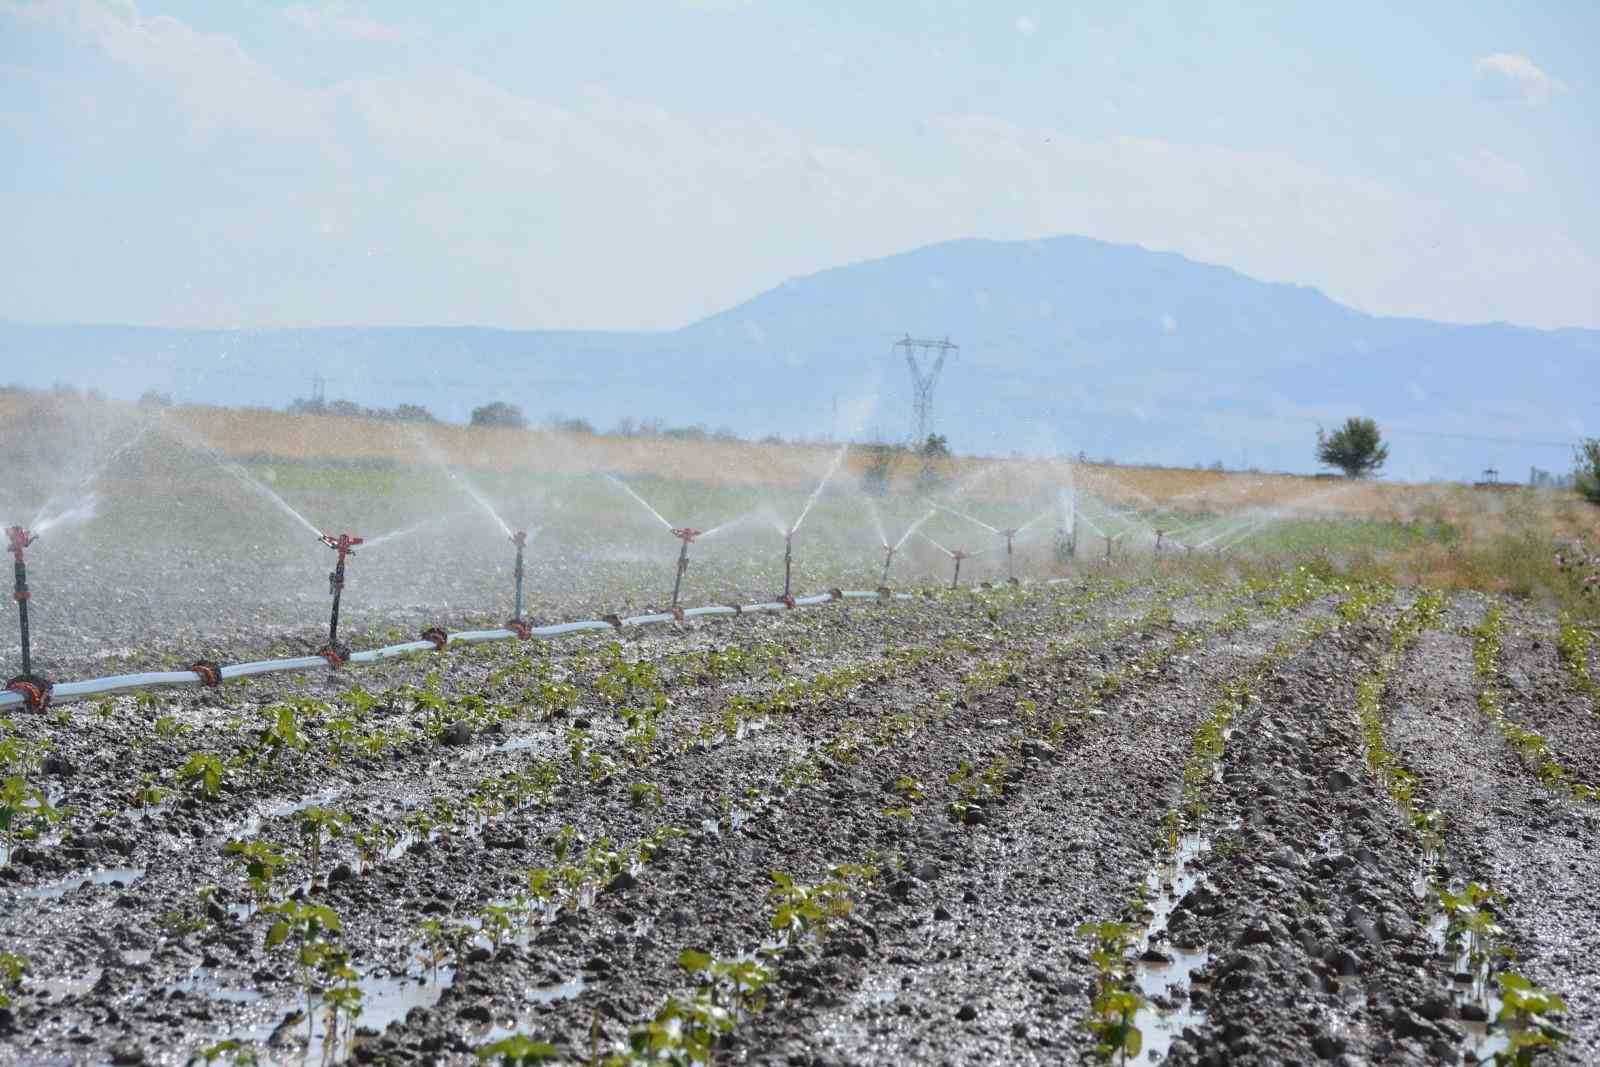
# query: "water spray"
[[335, 653], [686, 534], [35, 690]]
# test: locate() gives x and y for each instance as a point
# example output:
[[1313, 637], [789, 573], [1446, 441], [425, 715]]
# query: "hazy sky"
[[639, 165]]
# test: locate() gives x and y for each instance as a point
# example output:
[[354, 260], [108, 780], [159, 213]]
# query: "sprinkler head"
[[19, 539], [686, 534], [960, 554], [344, 544], [520, 538]]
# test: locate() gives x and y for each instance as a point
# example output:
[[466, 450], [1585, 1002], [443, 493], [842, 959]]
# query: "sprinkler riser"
[[888, 558], [517, 614], [683, 565], [788, 560], [22, 595], [336, 587]]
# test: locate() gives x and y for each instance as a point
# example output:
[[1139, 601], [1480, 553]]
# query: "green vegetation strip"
[[1531, 745], [1472, 928], [1114, 1004], [1574, 644]]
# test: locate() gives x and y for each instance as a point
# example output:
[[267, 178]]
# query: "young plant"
[[1525, 1011], [316, 825], [13, 968], [261, 860], [321, 964], [518, 1050], [25, 810], [203, 774]]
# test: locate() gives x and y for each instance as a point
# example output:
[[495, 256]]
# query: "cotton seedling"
[[203, 774], [282, 733], [518, 1050], [25, 810], [738, 982], [1525, 1011], [308, 930], [317, 824], [497, 922], [261, 861], [13, 969]]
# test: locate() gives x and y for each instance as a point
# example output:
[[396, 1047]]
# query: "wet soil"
[[1045, 732]]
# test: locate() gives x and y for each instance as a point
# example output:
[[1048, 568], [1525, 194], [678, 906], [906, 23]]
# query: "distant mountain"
[[1066, 344]]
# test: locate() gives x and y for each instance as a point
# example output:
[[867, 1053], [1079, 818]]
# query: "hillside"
[[1066, 344]]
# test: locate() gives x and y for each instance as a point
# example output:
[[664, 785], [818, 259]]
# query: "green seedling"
[[497, 922], [1525, 1011], [25, 810], [262, 861], [204, 774], [283, 734], [519, 1050], [320, 964], [641, 794], [739, 982], [13, 969], [316, 825]]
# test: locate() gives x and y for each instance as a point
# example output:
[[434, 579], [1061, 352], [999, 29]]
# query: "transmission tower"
[[924, 376]]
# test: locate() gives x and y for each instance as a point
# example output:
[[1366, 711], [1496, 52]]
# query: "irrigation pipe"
[[122, 683]]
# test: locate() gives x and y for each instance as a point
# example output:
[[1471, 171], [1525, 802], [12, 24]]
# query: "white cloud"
[[1026, 25], [434, 194], [1513, 76], [337, 21]]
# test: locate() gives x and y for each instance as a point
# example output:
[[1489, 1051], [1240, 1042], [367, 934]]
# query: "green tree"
[[1356, 448], [1587, 475]]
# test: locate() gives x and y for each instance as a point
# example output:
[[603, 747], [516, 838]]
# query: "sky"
[[639, 165]]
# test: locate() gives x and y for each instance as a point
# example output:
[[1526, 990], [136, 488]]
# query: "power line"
[[1482, 438]]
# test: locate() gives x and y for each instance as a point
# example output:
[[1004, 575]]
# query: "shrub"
[[499, 413], [1586, 476]]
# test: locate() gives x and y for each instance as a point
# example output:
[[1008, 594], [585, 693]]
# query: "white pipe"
[[118, 683]]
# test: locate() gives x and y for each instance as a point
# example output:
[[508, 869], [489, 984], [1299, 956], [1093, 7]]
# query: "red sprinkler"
[[958, 555], [34, 689], [335, 653], [686, 534]]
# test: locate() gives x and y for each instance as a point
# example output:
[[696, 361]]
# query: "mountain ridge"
[[1066, 343]]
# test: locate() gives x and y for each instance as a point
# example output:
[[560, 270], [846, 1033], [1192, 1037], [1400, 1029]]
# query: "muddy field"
[[1265, 821]]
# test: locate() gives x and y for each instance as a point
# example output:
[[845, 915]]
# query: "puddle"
[[1168, 983], [1482, 1042], [541, 997], [209, 986], [249, 827], [117, 877]]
